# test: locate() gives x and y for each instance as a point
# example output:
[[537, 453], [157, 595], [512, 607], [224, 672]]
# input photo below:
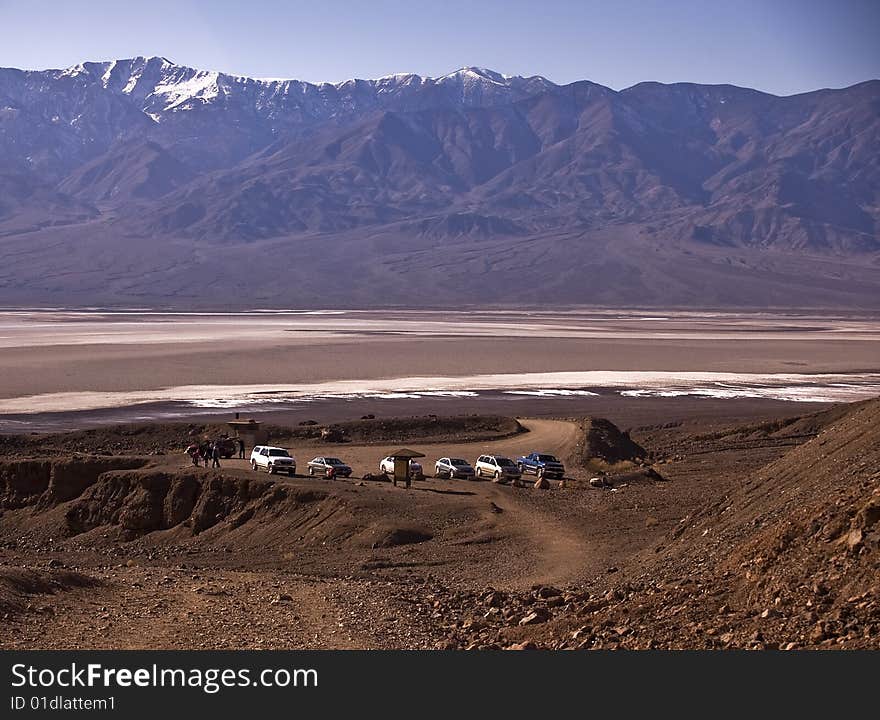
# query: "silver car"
[[497, 467], [453, 468]]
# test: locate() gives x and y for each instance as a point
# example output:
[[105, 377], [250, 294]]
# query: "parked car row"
[[497, 467]]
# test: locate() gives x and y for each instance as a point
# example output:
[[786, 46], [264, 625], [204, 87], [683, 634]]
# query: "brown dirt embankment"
[[71, 499], [168, 438], [603, 440], [416, 429], [18, 586], [46, 482]]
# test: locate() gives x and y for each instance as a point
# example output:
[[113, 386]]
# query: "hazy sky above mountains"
[[780, 46]]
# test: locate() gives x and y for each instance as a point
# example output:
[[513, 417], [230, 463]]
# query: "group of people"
[[209, 451]]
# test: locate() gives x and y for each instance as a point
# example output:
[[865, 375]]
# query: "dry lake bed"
[[77, 368]]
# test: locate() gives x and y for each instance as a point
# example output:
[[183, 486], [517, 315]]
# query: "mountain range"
[[142, 182]]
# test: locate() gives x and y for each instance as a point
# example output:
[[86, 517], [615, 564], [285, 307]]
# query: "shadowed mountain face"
[[154, 183]]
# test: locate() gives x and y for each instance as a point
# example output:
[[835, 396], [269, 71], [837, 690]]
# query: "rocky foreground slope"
[[788, 559], [755, 536]]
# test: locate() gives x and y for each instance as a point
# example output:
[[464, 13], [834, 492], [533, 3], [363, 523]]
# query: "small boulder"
[[854, 539], [528, 645], [333, 434], [549, 592], [818, 633], [375, 477], [494, 599], [537, 616]]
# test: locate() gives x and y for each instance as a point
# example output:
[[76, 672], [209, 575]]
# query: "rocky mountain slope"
[[152, 182]]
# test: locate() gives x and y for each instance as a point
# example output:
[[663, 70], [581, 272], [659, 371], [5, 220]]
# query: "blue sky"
[[780, 46]]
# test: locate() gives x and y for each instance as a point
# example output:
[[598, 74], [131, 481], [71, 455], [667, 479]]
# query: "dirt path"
[[559, 551], [551, 550]]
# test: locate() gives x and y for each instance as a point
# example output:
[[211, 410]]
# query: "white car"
[[272, 460], [387, 467]]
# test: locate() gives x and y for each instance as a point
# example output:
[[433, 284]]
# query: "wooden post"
[[401, 470]]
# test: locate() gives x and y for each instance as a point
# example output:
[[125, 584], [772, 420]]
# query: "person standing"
[[240, 449], [215, 455]]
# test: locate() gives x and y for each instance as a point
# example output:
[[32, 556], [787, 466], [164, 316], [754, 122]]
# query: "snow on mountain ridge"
[[203, 85], [472, 71], [160, 86], [105, 78]]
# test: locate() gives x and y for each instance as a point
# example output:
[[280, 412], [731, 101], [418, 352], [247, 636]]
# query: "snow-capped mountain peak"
[[159, 86], [99, 101], [124, 75], [473, 72]]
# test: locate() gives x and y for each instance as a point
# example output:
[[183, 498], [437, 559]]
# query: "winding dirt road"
[[558, 552]]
